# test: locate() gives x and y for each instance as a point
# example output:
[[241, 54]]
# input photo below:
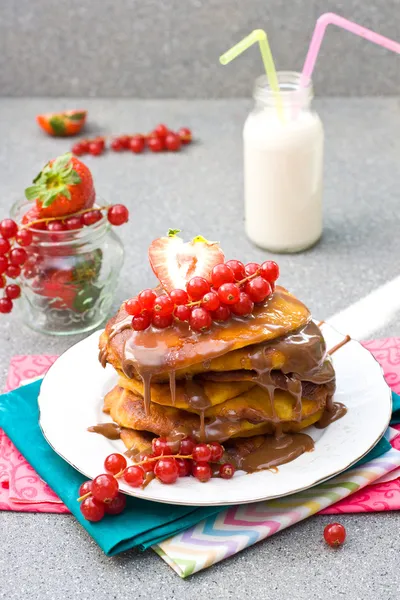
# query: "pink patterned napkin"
[[21, 489]]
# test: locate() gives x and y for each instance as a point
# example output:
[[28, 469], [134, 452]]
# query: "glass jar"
[[283, 167], [69, 279]]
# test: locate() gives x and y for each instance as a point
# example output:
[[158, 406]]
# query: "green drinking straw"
[[258, 35]]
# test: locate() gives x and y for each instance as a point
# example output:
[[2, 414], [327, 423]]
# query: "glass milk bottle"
[[283, 166]]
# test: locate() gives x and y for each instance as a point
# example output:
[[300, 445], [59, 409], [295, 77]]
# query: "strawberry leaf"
[[72, 179], [32, 192], [200, 238], [62, 161], [57, 124], [173, 232], [78, 116]]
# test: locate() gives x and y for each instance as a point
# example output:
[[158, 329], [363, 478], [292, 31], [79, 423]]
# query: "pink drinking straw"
[[318, 35]]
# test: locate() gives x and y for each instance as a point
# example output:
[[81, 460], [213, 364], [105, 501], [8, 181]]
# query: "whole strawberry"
[[64, 186]]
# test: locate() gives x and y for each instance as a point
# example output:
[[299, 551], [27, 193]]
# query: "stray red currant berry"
[[251, 268], [216, 451], [3, 264], [4, 246], [179, 297], [91, 217], [173, 142], [163, 306], [118, 214], [56, 226], [155, 144], [13, 291], [116, 506], [148, 466], [184, 466], [221, 314], [334, 534], [202, 472], [185, 134], [237, 269], [17, 257], [96, 148], [244, 306], [201, 453], [85, 488], [8, 228], [182, 313], [210, 301], [141, 322], [6, 305], [13, 271], [221, 274], [133, 307], [166, 470], [137, 144], [24, 237], [104, 487], [200, 319], [258, 289], [186, 447], [229, 293], [85, 144], [147, 299], [161, 130], [160, 446], [101, 141], [116, 145], [197, 287], [73, 223], [78, 149], [125, 140], [162, 322], [92, 509], [269, 270], [134, 476], [226, 471], [114, 463]]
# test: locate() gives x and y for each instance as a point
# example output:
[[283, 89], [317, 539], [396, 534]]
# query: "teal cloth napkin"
[[143, 523]]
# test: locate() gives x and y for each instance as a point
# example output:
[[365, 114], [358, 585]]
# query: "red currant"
[[244, 306], [117, 145], [251, 268], [56, 226], [258, 289], [134, 476], [96, 148], [73, 223], [125, 140], [133, 307], [160, 446], [202, 472], [179, 297], [269, 270], [85, 144], [114, 463], [91, 217], [186, 447], [200, 319], [182, 312], [78, 149], [185, 134], [237, 269], [13, 271], [210, 301], [148, 466], [147, 299], [118, 214], [221, 274], [163, 306], [216, 451], [166, 470], [141, 322], [162, 322], [104, 487], [4, 246], [17, 257], [137, 144], [221, 314], [197, 287], [229, 293], [6, 305], [201, 453], [155, 144], [334, 534], [161, 130], [13, 291], [173, 142], [8, 228], [100, 141], [226, 471], [92, 509], [116, 506], [3, 264], [184, 466], [24, 237], [85, 488]]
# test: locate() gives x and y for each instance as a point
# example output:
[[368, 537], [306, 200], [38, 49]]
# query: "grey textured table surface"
[[200, 191]]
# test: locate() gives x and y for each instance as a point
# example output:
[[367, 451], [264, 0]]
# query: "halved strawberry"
[[69, 122], [174, 262]]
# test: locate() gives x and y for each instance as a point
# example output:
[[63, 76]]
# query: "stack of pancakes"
[[267, 374]]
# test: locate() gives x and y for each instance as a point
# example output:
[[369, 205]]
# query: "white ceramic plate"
[[71, 399]]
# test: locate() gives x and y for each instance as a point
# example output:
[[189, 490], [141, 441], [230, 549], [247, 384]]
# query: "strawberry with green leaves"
[[63, 187], [62, 124]]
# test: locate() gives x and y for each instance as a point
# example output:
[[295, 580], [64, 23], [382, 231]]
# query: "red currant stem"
[[242, 281], [76, 214], [196, 303], [81, 498], [152, 459]]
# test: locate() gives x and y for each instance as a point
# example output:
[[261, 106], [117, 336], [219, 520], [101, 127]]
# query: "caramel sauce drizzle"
[[339, 345]]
